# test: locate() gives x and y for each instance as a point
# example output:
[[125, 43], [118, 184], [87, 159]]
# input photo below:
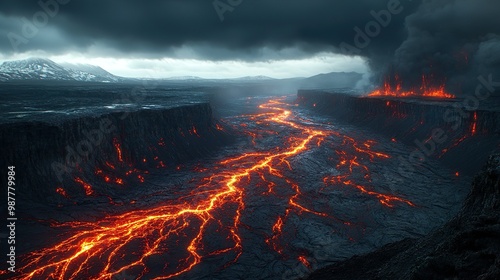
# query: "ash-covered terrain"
[[134, 182]]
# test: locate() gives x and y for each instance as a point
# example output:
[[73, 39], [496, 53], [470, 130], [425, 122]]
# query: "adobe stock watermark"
[[223, 6], [381, 19], [76, 154], [453, 116], [31, 27]]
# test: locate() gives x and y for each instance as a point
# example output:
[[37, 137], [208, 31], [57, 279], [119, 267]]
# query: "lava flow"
[[176, 235], [394, 88]]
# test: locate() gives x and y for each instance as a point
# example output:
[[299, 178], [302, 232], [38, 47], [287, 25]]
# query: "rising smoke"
[[451, 42]]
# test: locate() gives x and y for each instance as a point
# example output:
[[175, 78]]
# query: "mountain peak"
[[35, 68], [29, 63]]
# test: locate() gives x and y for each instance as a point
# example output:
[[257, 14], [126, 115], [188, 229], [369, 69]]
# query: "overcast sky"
[[233, 38], [162, 38]]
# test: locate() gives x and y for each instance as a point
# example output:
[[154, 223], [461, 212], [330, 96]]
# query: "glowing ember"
[[141, 178], [161, 142], [304, 261], [62, 192], [108, 164], [86, 186], [474, 124], [193, 131], [118, 149], [394, 89]]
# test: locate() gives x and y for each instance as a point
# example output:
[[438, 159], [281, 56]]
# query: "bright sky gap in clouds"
[[169, 38], [174, 67]]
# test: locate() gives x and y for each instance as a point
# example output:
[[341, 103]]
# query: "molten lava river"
[[294, 193]]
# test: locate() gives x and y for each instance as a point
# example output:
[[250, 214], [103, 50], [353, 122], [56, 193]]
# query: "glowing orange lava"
[[87, 187], [470, 133], [62, 192], [395, 89], [169, 239], [473, 129], [118, 149], [304, 261]]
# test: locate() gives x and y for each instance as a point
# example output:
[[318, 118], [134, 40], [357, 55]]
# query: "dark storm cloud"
[[155, 28], [455, 41]]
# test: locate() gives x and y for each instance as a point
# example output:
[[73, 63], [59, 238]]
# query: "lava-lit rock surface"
[[467, 247], [294, 192], [465, 131], [75, 133]]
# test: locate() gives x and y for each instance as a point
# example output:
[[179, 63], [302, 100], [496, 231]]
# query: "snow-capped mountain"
[[84, 69], [46, 69]]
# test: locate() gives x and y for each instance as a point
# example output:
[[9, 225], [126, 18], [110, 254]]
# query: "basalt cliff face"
[[62, 158], [444, 130], [467, 247]]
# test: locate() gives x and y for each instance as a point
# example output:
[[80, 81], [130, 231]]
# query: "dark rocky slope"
[[467, 247]]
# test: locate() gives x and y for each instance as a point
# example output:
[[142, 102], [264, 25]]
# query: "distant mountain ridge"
[[46, 69], [36, 69], [183, 78], [255, 78], [332, 80]]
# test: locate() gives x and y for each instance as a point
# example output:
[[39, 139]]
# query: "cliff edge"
[[467, 247]]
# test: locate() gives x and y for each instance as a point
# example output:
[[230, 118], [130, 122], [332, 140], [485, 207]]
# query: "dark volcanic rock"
[[467, 247], [50, 154], [443, 129]]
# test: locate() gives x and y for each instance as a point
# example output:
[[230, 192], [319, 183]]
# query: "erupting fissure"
[[170, 238], [394, 88]]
